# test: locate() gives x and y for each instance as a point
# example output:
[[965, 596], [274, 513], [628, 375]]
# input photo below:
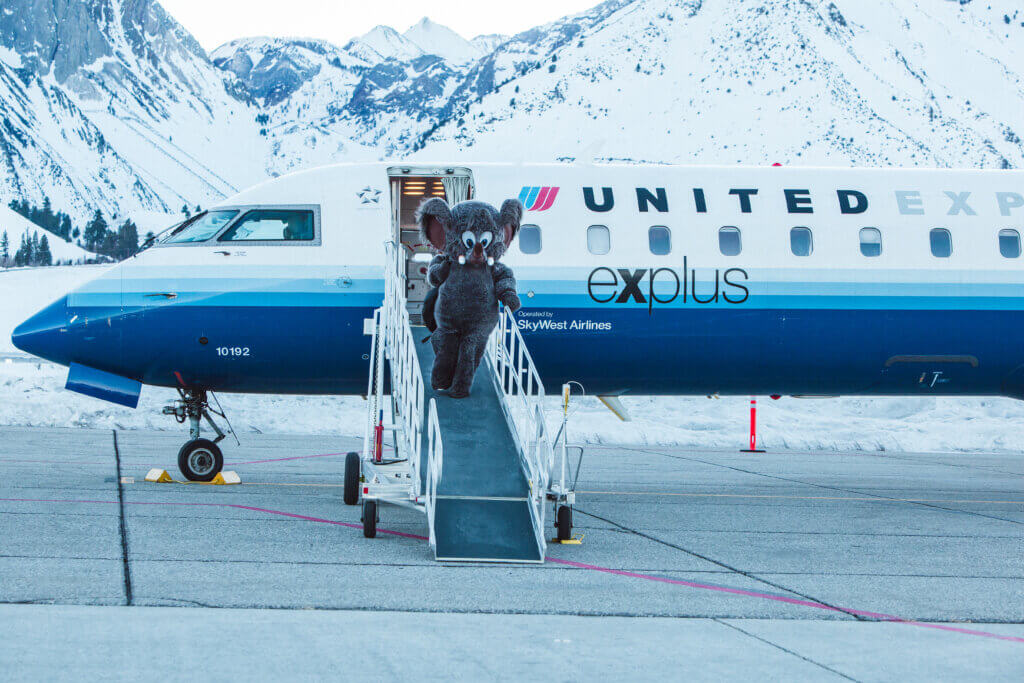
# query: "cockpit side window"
[[202, 227], [273, 225]]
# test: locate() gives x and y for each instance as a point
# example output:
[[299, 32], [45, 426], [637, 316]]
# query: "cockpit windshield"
[[202, 227]]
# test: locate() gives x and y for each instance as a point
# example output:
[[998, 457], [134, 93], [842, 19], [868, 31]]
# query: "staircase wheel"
[[563, 522], [352, 467], [370, 518]]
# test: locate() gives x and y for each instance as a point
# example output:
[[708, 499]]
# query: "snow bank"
[[32, 394]]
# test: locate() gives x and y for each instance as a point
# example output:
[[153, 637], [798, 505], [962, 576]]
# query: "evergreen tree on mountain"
[[47, 219], [21, 207], [96, 232], [127, 241], [58, 223], [109, 245], [5, 250], [43, 257], [64, 231], [23, 256]]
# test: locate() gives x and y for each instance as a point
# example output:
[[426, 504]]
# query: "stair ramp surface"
[[482, 512]]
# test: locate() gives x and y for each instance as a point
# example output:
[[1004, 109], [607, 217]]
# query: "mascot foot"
[[454, 393], [438, 386]]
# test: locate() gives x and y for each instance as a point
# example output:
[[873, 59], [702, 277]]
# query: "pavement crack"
[[786, 650], [123, 527], [692, 553], [835, 488]]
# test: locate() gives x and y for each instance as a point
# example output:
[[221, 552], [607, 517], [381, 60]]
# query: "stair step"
[[478, 529]]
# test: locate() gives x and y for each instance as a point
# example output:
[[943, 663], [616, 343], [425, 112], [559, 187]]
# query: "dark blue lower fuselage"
[[697, 350]]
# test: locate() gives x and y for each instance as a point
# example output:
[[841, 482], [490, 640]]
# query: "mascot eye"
[[469, 239], [486, 239]]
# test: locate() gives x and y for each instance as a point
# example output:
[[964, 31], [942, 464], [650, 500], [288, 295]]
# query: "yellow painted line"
[[751, 495], [244, 483], [315, 486]]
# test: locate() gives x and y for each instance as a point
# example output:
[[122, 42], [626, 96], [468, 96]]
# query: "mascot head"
[[470, 233]]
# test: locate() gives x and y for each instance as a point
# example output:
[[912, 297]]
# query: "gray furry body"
[[468, 291]]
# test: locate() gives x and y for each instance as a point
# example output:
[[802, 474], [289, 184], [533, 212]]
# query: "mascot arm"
[[437, 271], [505, 286]]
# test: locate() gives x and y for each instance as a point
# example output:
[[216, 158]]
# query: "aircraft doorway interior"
[[410, 187]]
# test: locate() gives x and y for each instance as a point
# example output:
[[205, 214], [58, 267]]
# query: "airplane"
[[635, 279]]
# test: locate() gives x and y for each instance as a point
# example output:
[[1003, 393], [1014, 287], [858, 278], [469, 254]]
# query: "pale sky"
[[214, 22]]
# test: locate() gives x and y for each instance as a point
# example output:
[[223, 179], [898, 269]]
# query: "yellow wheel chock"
[[159, 476]]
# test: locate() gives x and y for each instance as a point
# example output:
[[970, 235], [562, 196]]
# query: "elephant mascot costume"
[[469, 238]]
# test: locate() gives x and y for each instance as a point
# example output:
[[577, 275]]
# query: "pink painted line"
[[589, 567], [325, 521], [785, 599], [111, 502]]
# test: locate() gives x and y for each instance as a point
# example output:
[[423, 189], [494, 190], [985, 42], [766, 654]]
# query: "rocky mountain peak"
[[435, 39]]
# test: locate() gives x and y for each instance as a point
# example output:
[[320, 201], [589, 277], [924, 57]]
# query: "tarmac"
[[705, 564]]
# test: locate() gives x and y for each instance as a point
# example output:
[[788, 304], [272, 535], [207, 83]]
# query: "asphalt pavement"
[[709, 564]]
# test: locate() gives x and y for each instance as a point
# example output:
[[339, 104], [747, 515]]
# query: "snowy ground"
[[33, 394]]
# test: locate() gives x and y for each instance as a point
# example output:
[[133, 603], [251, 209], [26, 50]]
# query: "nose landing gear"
[[199, 459]]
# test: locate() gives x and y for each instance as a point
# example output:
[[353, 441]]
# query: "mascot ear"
[[434, 218], [511, 215]]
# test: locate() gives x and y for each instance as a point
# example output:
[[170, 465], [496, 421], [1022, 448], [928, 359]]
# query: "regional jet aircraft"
[[634, 280]]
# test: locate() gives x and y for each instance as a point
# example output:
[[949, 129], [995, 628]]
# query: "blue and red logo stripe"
[[538, 198]]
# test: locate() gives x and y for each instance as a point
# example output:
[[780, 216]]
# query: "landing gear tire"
[[200, 460], [352, 467], [370, 518], [563, 523]]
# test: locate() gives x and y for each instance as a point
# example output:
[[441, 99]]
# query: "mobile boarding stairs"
[[479, 467]]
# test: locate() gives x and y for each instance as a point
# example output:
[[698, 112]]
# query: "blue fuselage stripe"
[[313, 342]]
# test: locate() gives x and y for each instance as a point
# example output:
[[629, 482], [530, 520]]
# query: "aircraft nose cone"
[[45, 333]]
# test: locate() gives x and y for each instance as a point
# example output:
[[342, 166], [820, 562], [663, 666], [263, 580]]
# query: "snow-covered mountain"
[[111, 104], [425, 37], [273, 69], [488, 43], [435, 39], [383, 42], [839, 82]]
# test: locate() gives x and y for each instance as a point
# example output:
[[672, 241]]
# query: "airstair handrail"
[[393, 341], [522, 394], [435, 464]]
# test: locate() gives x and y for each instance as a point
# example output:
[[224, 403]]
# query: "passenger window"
[[272, 225], [599, 240], [529, 239], [660, 239], [729, 241], [871, 241], [202, 227], [801, 241], [942, 243], [1009, 243]]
